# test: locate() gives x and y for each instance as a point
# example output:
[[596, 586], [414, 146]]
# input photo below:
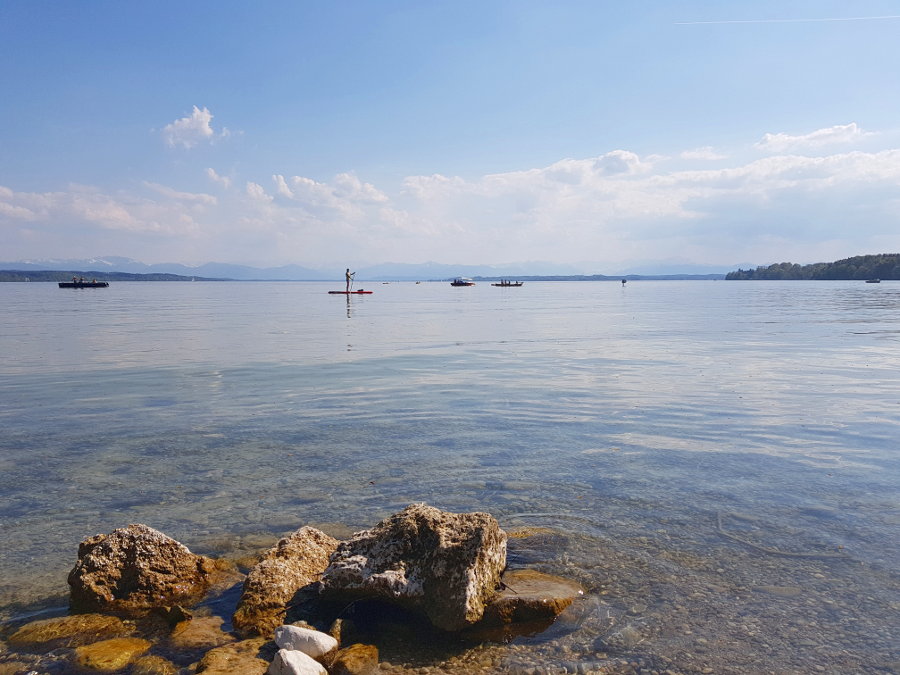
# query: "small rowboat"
[[83, 284], [359, 292]]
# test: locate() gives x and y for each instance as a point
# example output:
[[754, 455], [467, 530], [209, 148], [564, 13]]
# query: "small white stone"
[[311, 642], [292, 662]]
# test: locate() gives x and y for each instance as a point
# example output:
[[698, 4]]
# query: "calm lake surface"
[[716, 462]]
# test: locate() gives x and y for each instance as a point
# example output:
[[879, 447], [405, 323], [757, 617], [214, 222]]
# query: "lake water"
[[716, 462]]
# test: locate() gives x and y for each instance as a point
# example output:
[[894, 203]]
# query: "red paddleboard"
[[360, 292]]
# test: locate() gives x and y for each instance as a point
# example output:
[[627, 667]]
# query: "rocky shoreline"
[[422, 580]]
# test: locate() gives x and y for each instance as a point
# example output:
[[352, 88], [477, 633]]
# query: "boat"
[[83, 284], [462, 281], [873, 281], [505, 283], [359, 292]]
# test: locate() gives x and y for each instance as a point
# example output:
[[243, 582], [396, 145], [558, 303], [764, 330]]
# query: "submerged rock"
[[247, 657], [200, 634], [529, 596], [173, 615], [137, 568], [151, 664], [445, 565], [113, 654], [293, 563], [68, 631], [357, 659]]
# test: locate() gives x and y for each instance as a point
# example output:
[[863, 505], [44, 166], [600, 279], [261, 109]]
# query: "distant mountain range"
[[208, 270], [382, 272]]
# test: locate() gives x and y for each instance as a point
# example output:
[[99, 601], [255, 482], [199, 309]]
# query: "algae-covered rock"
[[200, 633], [68, 631], [357, 659], [151, 664], [110, 655], [247, 657]]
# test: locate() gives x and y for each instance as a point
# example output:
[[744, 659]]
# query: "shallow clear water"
[[638, 424]]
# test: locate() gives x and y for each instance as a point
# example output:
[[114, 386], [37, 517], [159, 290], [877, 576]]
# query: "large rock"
[[293, 563], [137, 568], [445, 565]]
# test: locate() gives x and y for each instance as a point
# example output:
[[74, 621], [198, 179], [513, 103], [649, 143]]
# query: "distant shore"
[[56, 275]]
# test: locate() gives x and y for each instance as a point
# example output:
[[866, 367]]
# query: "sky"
[[604, 136]]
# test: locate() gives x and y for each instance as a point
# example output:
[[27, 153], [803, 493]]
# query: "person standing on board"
[[349, 275]]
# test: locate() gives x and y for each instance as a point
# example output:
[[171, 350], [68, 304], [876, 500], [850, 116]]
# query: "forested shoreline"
[[861, 267], [58, 275]]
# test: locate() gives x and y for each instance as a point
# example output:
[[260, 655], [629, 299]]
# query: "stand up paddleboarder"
[[349, 275]]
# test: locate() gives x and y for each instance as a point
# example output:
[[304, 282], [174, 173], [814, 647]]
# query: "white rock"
[[292, 662], [311, 642]]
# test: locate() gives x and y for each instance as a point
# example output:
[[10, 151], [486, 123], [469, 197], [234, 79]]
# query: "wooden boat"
[[83, 284], [506, 283], [359, 292], [462, 281], [873, 281]]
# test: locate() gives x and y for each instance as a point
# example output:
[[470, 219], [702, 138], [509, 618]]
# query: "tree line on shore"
[[861, 267], [58, 275]]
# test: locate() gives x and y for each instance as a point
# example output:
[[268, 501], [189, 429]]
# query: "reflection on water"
[[631, 426]]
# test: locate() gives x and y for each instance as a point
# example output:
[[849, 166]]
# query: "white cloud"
[[706, 153], [257, 192], [188, 132], [841, 134], [281, 186], [195, 197], [215, 177], [348, 186], [93, 210]]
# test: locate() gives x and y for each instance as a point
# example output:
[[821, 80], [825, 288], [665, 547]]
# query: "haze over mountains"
[[384, 271]]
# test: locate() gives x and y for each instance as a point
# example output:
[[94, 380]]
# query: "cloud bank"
[[796, 203]]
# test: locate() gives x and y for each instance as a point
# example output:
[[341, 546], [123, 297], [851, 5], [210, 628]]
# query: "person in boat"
[[349, 276]]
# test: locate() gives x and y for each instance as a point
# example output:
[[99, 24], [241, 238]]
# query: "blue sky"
[[600, 135]]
